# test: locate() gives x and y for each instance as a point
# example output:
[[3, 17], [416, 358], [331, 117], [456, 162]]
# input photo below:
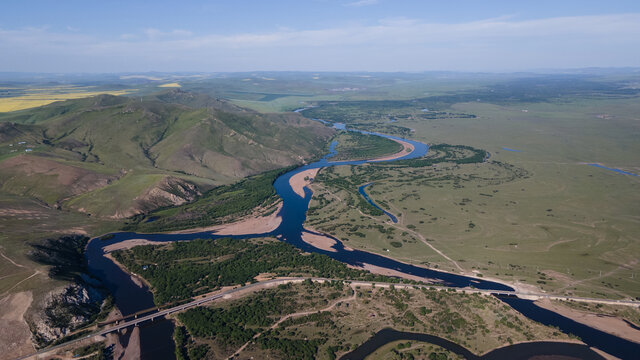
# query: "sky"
[[68, 36]]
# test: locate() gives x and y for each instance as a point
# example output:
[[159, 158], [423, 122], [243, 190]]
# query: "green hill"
[[116, 156]]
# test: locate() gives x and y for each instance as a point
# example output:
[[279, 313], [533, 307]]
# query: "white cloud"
[[391, 44]]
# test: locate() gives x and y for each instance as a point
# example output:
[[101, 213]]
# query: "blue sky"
[[316, 35]]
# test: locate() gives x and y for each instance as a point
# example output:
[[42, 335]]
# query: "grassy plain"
[[560, 225], [333, 319], [355, 146]]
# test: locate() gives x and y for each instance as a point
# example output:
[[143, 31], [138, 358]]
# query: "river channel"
[[156, 337]]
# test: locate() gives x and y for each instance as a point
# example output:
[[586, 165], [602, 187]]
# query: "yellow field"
[[40, 97], [170, 85]]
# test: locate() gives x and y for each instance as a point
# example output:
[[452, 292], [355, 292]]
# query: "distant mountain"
[[115, 156]]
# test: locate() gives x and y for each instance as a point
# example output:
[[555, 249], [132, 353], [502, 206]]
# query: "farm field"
[[30, 98]]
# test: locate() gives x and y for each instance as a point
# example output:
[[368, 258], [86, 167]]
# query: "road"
[[275, 282]]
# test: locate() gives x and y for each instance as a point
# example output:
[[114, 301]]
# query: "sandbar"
[[302, 179], [406, 149], [253, 224], [127, 244], [319, 241], [390, 272]]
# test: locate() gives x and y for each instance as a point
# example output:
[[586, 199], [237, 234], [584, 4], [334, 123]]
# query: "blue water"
[[504, 148], [366, 197], [131, 298], [614, 169], [520, 351], [619, 347]]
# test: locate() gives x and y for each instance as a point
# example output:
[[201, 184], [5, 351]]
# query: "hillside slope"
[[115, 156]]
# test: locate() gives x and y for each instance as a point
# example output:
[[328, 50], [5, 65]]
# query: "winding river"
[[156, 337]]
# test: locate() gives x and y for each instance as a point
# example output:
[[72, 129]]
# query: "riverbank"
[[138, 280], [609, 324]]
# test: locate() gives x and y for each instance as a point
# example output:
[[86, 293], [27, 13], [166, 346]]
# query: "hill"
[[114, 156]]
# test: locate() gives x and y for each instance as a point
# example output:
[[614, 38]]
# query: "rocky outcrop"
[[65, 310], [80, 302], [170, 191]]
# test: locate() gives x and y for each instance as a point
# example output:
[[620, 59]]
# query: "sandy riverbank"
[[406, 149], [608, 324], [253, 224], [130, 350], [127, 244], [390, 272], [137, 279], [319, 241], [302, 179]]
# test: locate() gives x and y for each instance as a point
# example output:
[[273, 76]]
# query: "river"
[[156, 338]]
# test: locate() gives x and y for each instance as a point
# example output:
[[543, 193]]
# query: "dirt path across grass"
[[11, 261], [20, 282], [286, 317], [422, 239]]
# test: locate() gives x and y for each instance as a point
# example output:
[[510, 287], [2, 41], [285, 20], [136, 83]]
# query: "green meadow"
[[538, 216]]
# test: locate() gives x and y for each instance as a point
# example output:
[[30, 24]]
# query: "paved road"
[[274, 282]]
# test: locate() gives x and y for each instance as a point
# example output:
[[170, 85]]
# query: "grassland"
[[539, 216], [25, 222], [356, 146], [333, 319]]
